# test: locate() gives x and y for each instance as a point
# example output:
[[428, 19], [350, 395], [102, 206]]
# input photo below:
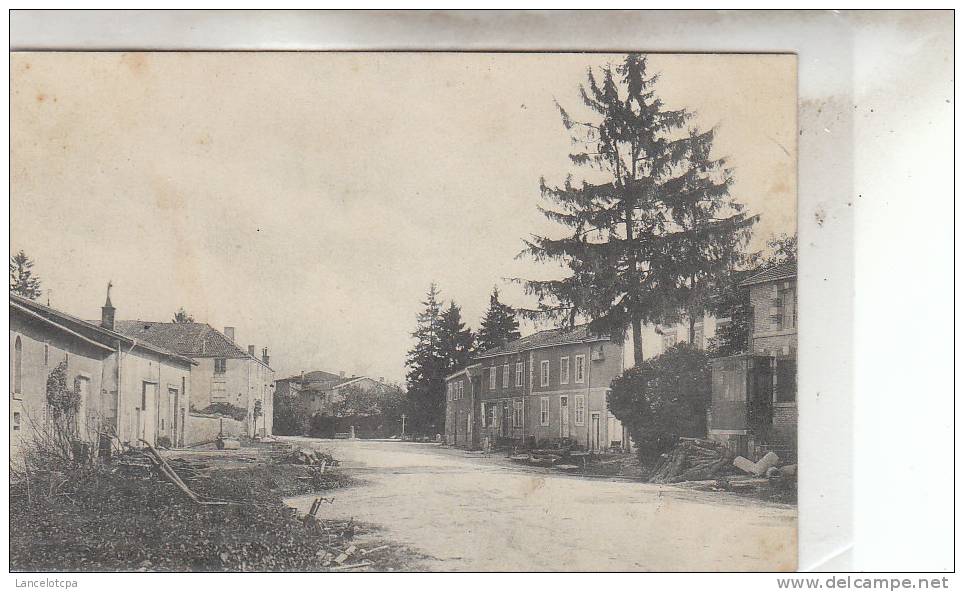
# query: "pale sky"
[[309, 199]]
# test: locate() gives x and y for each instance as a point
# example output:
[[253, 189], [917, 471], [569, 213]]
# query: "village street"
[[468, 513]]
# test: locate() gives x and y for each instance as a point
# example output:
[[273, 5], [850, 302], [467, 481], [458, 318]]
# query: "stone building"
[[548, 386], [224, 372], [128, 389], [754, 405]]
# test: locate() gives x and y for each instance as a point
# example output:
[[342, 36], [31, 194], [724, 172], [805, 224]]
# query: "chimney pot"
[[265, 357], [229, 333]]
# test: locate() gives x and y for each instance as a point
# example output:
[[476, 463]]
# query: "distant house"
[[128, 389], [321, 390], [754, 401], [547, 386], [225, 373]]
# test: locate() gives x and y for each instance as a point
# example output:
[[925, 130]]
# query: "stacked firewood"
[[693, 459]]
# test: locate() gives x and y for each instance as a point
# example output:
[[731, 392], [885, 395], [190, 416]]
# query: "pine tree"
[[499, 325], [648, 243], [456, 340], [426, 364], [22, 281]]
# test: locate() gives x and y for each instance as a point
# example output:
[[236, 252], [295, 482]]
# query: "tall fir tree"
[[456, 340], [426, 368], [648, 243], [22, 280], [499, 324]]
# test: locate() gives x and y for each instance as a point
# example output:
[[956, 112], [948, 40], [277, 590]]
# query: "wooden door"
[[149, 412]]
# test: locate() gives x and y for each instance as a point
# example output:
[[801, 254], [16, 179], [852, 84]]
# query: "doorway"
[[148, 416], [594, 428], [563, 416]]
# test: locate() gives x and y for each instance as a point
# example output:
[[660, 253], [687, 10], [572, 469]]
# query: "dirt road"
[[482, 514]]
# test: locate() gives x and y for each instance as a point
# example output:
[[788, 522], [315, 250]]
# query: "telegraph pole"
[[403, 425]]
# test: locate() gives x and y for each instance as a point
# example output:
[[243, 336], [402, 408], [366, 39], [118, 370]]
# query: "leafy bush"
[[662, 399], [226, 409], [291, 415]]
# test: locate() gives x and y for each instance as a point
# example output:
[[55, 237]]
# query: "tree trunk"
[[637, 342], [692, 329]]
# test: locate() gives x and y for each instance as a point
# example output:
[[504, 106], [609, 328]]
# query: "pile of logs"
[[693, 459], [306, 456]]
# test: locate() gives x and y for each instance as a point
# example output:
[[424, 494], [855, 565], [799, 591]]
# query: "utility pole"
[[403, 425]]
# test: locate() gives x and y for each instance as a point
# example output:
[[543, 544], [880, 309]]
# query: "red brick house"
[[547, 386], [754, 402]]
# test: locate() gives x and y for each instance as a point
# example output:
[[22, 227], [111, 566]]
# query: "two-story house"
[[225, 373], [546, 386], [754, 401]]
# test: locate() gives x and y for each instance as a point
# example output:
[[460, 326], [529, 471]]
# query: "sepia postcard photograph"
[[403, 311]]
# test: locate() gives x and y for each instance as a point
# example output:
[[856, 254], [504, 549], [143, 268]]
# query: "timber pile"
[[693, 459], [306, 456]]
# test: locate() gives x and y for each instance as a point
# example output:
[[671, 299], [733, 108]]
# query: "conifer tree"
[[426, 367], [499, 325], [22, 281], [655, 227], [456, 340]]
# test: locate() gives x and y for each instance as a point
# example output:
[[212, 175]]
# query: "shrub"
[[662, 399], [291, 415]]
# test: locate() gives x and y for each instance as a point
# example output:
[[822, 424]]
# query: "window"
[[518, 373], [505, 376], [564, 370], [16, 421], [489, 414], [461, 389], [517, 413], [220, 365], [448, 392], [698, 335], [580, 410], [544, 373], [492, 372], [580, 369], [46, 355], [17, 367], [544, 411]]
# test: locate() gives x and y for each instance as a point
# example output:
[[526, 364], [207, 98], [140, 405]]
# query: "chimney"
[[229, 333], [265, 357], [107, 312], [381, 379], [251, 350], [341, 374]]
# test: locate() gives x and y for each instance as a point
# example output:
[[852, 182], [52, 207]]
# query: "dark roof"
[[783, 271], [90, 330], [197, 340], [548, 338]]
